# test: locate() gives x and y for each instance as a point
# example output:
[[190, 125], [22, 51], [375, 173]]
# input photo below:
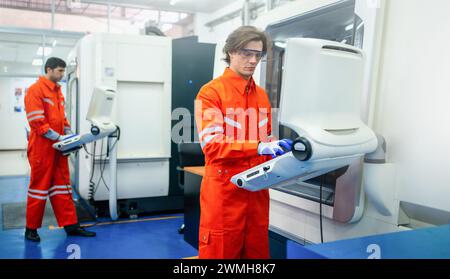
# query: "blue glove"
[[52, 135], [275, 148]]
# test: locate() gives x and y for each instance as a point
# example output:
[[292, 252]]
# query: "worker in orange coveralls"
[[44, 105], [233, 117]]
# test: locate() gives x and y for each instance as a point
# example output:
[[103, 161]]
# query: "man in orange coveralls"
[[233, 117], [44, 104]]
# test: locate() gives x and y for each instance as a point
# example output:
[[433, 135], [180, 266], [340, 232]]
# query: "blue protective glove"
[[52, 135], [275, 148]]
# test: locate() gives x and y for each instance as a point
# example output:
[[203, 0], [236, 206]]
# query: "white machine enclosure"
[[138, 69], [320, 97], [320, 101]]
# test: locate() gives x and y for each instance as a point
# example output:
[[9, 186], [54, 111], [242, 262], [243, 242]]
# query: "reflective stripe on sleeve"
[[210, 130], [263, 122], [47, 100], [233, 123], [35, 118], [35, 112], [207, 140]]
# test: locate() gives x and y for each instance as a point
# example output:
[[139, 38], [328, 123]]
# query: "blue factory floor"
[[152, 237]]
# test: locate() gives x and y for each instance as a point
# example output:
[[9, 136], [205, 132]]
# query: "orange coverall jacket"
[[232, 115], [44, 105]]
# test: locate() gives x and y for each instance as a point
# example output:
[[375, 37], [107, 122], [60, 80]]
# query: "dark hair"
[[241, 37], [53, 63]]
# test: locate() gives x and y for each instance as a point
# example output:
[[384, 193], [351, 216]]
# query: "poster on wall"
[[19, 88], [18, 100]]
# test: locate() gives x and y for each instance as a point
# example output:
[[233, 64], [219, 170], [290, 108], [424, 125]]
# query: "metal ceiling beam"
[[53, 15], [40, 32], [31, 43]]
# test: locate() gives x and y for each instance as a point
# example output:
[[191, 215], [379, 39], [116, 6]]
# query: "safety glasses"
[[249, 53]]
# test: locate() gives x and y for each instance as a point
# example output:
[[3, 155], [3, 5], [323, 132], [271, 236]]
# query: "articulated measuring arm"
[[76, 142]]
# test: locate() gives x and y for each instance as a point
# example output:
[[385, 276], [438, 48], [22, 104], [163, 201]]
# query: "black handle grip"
[[305, 152]]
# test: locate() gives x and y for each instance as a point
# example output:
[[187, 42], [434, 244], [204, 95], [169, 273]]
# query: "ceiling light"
[[280, 44], [349, 27], [360, 25], [37, 62], [5, 69], [173, 2], [54, 43], [46, 51]]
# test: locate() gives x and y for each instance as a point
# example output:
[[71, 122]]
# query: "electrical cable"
[[93, 154], [91, 181], [87, 207], [93, 187], [102, 165], [322, 178]]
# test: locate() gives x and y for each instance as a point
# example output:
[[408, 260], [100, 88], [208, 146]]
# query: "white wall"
[[14, 163], [18, 69], [13, 123], [412, 105], [13, 159]]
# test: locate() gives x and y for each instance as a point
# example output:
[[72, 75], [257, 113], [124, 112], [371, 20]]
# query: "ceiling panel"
[[26, 53], [20, 48]]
